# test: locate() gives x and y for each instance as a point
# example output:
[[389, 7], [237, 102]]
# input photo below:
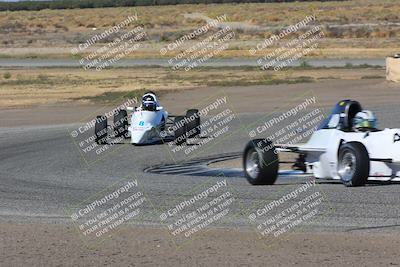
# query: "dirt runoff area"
[[60, 245], [48, 86], [243, 99]]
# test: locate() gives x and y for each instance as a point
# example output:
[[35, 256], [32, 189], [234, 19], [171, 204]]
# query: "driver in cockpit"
[[364, 121], [149, 101]]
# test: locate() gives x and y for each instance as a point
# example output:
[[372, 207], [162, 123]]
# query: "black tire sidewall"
[[99, 127], [361, 172], [121, 123], [193, 124], [269, 162], [180, 131]]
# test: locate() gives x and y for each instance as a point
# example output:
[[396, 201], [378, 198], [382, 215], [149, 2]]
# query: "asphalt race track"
[[42, 174]]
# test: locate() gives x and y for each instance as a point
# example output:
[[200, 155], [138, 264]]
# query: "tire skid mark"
[[199, 167]]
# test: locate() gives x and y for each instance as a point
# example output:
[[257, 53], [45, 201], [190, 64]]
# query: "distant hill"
[[72, 4]]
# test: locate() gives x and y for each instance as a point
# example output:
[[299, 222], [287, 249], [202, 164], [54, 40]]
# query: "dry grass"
[[167, 17], [25, 87], [360, 25]]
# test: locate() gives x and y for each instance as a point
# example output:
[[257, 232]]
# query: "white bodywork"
[[146, 126], [322, 152]]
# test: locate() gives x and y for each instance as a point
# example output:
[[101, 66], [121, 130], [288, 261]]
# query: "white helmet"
[[365, 120], [149, 101]]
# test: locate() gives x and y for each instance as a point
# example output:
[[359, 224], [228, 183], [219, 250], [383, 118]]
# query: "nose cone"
[[139, 136]]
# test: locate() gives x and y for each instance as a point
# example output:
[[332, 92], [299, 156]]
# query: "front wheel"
[[260, 162], [193, 123], [100, 130], [353, 164], [180, 130], [121, 123]]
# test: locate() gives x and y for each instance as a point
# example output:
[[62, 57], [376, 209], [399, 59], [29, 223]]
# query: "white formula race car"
[[148, 124], [335, 150]]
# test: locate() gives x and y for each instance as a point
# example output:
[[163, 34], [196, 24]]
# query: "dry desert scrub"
[[370, 26]]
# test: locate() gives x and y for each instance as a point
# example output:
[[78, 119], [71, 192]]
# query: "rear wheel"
[[100, 130], [260, 162], [121, 123], [193, 125], [353, 164], [180, 130]]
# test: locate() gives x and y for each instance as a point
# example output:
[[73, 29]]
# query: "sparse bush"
[[61, 26], [7, 75], [304, 64], [42, 77], [71, 4], [12, 26], [373, 77]]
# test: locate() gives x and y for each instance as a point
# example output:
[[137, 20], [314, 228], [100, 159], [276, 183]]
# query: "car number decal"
[[141, 123], [396, 138]]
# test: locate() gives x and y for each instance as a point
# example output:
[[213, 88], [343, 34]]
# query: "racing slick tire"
[[260, 162], [100, 130], [162, 125], [180, 130], [193, 124], [121, 123], [353, 164]]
